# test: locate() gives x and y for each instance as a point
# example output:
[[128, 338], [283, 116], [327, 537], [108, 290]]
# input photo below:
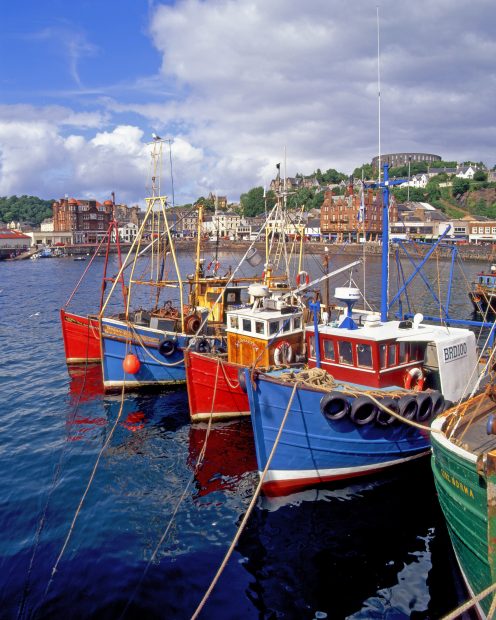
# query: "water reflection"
[[229, 455]]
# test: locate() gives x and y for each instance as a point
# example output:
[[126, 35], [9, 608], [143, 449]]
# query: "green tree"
[[460, 186], [253, 202], [480, 175], [25, 209], [367, 170]]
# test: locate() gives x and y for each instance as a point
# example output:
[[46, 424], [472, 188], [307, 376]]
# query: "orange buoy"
[[131, 364]]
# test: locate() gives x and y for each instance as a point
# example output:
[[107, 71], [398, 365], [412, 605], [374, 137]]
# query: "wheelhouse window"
[[329, 349], [402, 352], [297, 322], [233, 322], [364, 355], [259, 327], [311, 346], [345, 353], [382, 355], [391, 358], [273, 327], [247, 325], [286, 325]]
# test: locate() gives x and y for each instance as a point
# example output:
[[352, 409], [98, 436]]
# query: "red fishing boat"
[[81, 333]]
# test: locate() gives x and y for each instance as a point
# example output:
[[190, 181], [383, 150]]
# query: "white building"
[[128, 232]]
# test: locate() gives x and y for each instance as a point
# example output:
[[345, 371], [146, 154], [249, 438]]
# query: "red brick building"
[[339, 216], [88, 220]]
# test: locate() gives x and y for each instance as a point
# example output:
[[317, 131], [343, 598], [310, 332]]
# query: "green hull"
[[463, 496]]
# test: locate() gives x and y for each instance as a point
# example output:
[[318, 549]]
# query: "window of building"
[[487, 230], [345, 353]]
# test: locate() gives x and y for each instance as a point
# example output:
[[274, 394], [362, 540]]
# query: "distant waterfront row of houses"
[[341, 219]]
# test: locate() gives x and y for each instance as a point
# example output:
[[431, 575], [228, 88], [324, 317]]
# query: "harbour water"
[[153, 529]]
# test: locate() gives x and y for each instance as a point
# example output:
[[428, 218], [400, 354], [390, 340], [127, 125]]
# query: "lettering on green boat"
[[457, 484]]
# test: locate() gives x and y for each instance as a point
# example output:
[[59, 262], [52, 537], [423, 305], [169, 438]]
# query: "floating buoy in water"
[[131, 364]]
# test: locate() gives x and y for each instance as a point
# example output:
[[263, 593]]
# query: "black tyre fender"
[[166, 348], [384, 418], [334, 406], [363, 411]]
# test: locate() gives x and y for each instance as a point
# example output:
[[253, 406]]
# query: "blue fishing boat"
[[366, 397], [143, 347]]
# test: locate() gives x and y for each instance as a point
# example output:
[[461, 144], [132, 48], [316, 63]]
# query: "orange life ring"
[[414, 379], [283, 353], [301, 277]]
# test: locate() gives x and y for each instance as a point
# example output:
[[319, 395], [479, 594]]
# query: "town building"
[[343, 218], [13, 242], [402, 159]]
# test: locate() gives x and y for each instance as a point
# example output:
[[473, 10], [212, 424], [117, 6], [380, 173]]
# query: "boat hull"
[[463, 498], [119, 338], [314, 450], [213, 388], [81, 336], [483, 301]]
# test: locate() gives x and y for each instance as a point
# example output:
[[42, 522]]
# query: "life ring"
[[166, 348], [192, 324], [302, 277], [414, 379], [283, 353]]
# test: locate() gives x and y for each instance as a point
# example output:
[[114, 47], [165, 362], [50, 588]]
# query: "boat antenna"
[[379, 91], [169, 140]]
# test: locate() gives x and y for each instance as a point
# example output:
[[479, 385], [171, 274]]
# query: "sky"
[[235, 87]]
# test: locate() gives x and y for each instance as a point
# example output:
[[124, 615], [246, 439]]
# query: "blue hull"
[[313, 449], [119, 339]]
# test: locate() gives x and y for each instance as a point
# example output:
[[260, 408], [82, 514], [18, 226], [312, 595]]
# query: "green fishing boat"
[[464, 467]]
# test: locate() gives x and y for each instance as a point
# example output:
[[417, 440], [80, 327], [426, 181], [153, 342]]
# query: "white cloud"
[[242, 81]]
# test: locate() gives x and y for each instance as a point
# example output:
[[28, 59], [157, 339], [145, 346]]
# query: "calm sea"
[[372, 549]]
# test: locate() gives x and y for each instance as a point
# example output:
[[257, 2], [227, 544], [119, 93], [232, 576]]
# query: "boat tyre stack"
[[362, 410]]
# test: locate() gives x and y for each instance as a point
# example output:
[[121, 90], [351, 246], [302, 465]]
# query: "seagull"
[[155, 137]]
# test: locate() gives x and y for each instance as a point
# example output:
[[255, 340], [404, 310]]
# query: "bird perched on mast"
[[155, 137]]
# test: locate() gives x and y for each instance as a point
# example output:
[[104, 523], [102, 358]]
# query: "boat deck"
[[471, 434]]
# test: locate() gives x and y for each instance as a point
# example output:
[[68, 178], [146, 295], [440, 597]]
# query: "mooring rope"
[[248, 511], [199, 463], [55, 479], [456, 613], [90, 481]]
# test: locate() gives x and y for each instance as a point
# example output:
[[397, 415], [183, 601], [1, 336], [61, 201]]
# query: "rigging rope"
[[248, 511]]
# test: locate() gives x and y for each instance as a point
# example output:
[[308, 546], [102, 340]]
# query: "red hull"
[[81, 338], [213, 388]]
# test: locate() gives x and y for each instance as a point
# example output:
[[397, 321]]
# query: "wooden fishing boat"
[[365, 401], [81, 333], [464, 468], [483, 292]]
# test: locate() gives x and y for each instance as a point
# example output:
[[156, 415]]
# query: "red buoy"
[[131, 364]]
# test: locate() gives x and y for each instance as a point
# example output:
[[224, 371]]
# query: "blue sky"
[[234, 84]]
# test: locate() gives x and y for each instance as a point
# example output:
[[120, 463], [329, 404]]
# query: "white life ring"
[[302, 278], [283, 353], [414, 379]]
